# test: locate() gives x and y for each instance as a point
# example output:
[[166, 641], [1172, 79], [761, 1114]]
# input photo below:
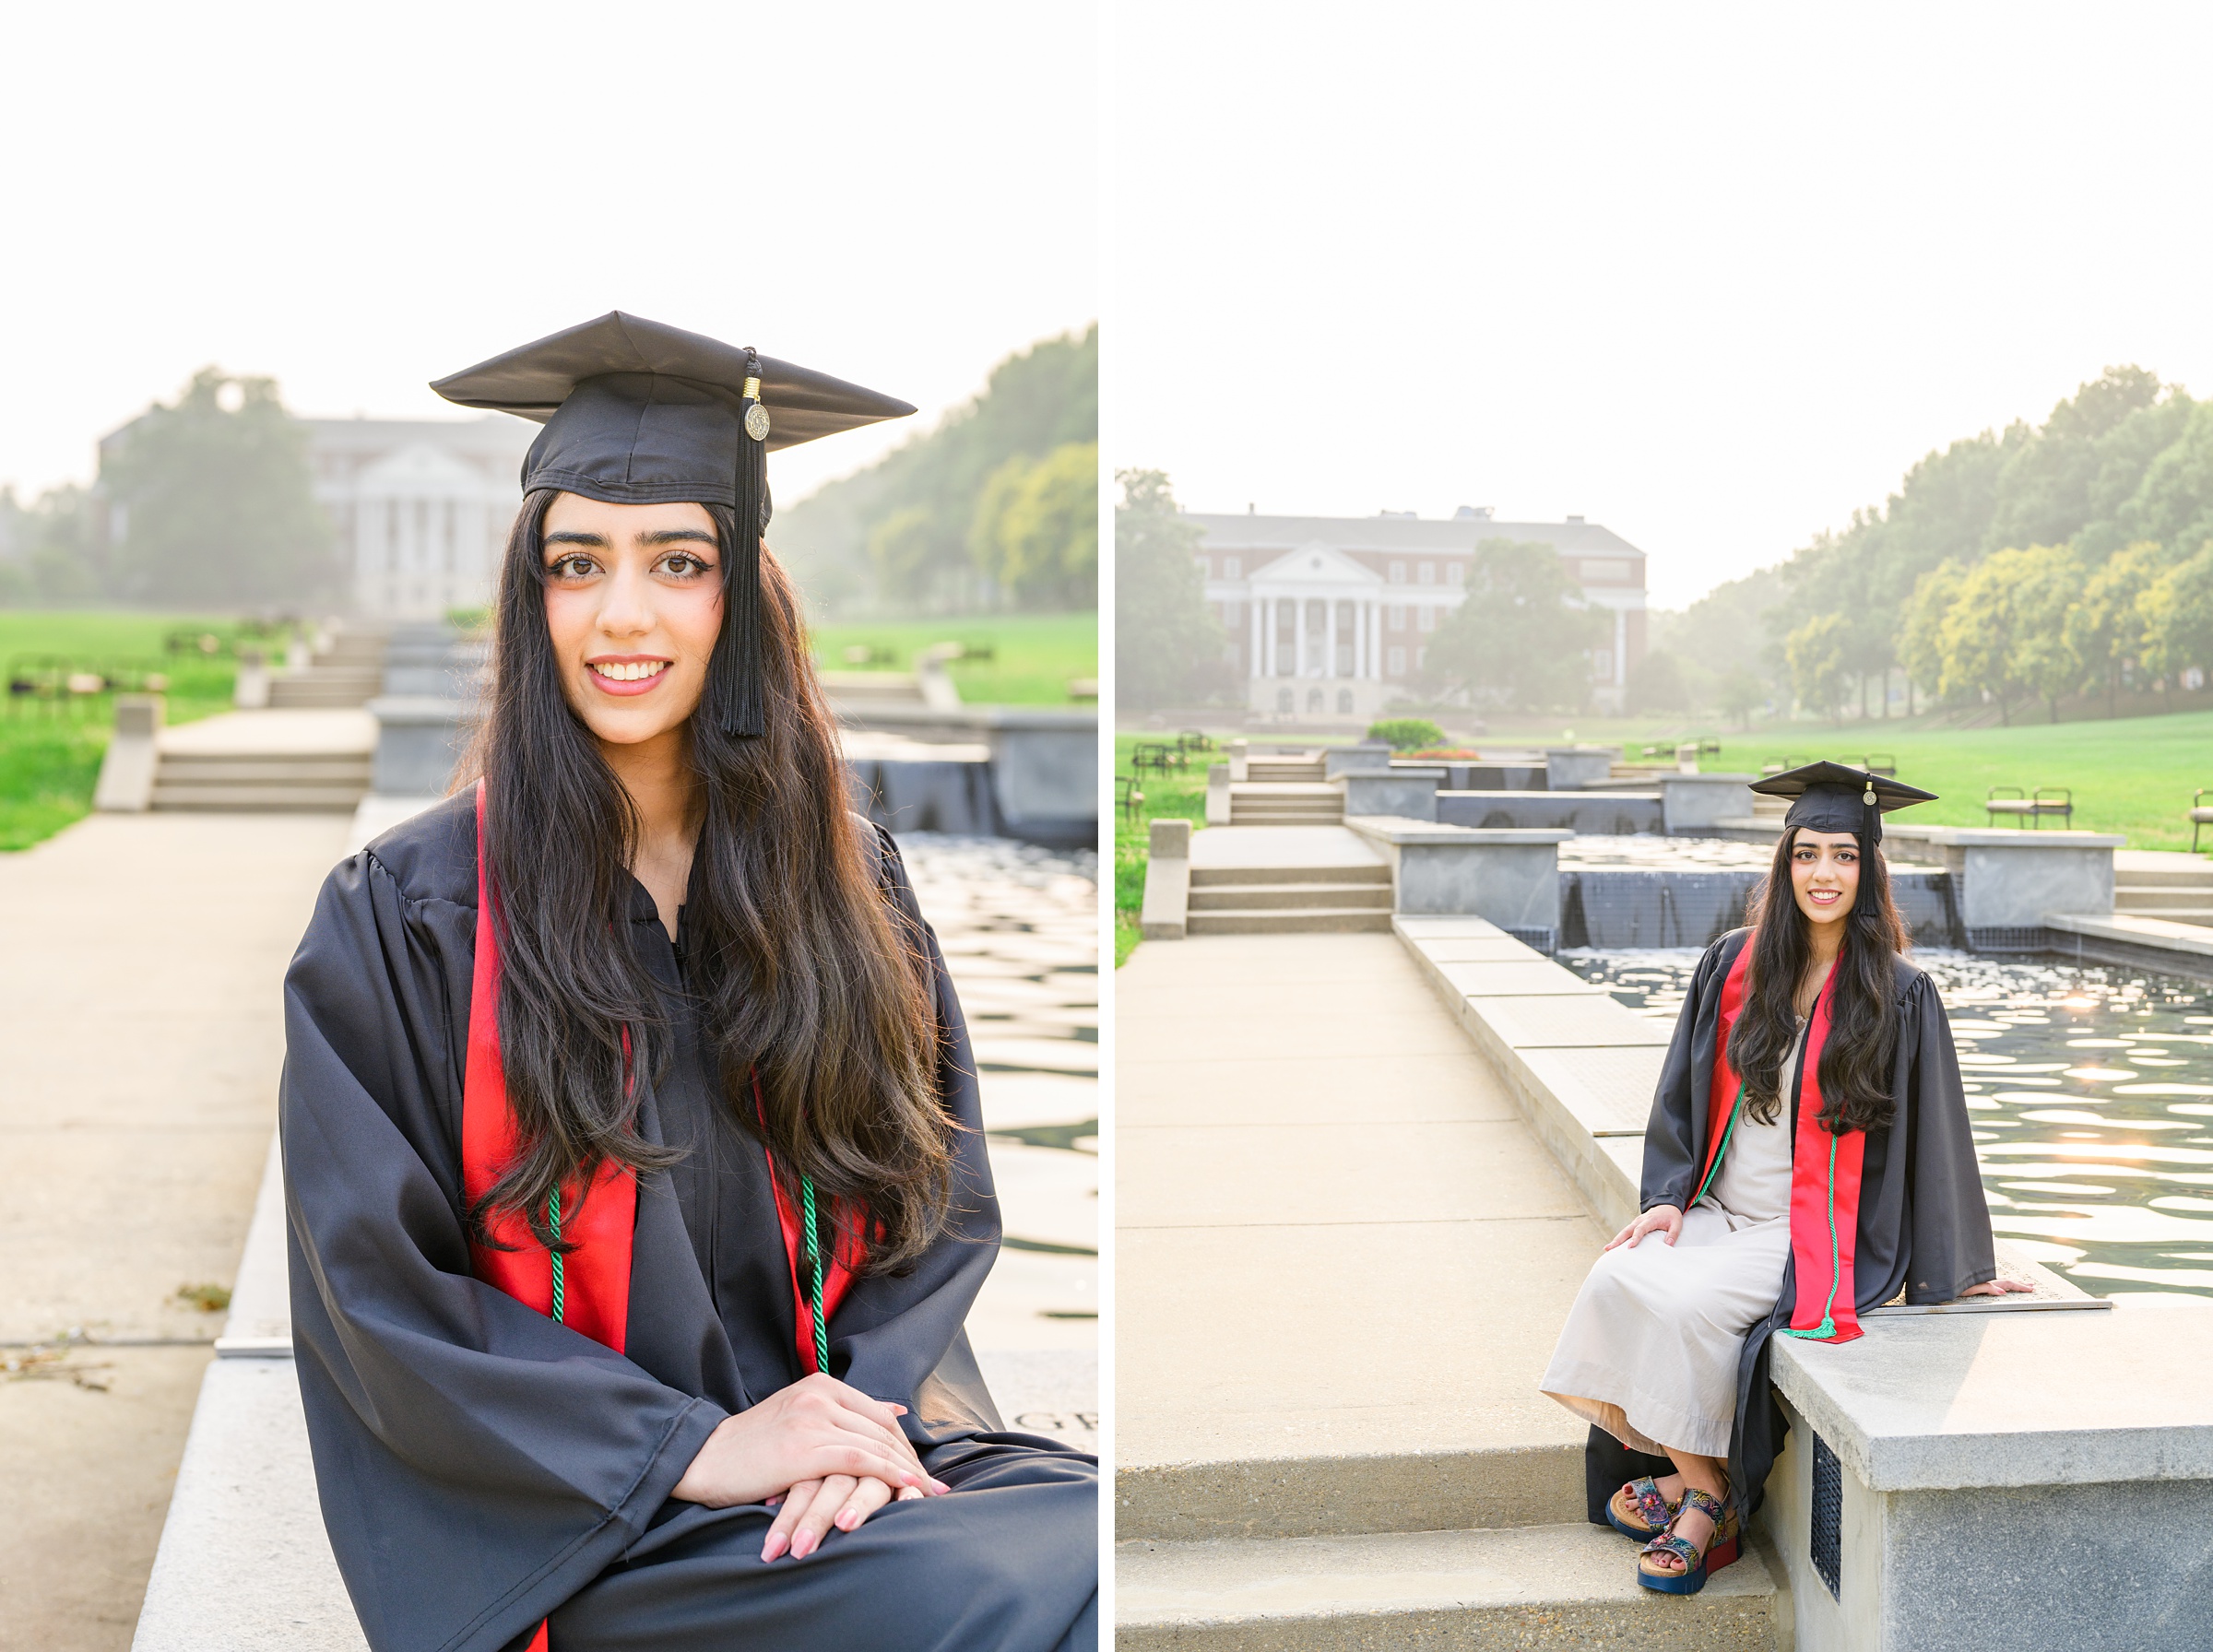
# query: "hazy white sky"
[[359, 199], [1713, 275]]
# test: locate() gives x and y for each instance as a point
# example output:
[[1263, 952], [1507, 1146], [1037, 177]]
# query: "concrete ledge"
[[1164, 915], [1943, 1402], [1605, 813], [2156, 934], [126, 771]]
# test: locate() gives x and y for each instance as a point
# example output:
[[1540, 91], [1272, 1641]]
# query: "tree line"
[[996, 507], [207, 501], [2010, 569]]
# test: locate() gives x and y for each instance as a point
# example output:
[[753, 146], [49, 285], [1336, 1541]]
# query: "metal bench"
[[2045, 800], [1127, 797], [1877, 763], [2199, 816]]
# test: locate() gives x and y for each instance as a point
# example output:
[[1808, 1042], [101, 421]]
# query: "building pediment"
[[1314, 564]]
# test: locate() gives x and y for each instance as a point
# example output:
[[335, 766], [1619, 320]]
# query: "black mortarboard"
[[639, 413], [1836, 797]]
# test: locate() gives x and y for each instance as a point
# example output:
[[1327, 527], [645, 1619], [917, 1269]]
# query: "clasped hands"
[[820, 1453], [1667, 1221]]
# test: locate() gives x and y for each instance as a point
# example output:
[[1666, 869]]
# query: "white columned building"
[[1328, 617]]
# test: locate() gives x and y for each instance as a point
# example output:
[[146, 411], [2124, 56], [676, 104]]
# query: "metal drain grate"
[[1825, 1543], [1543, 940]]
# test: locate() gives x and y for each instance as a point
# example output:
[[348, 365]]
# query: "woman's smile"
[[627, 674]]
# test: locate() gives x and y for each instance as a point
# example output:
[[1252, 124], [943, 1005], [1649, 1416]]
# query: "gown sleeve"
[[478, 1461], [1674, 1134], [900, 1337], [1950, 1245]]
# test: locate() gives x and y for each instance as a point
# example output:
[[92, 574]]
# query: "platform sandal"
[[1721, 1547], [1640, 1510]]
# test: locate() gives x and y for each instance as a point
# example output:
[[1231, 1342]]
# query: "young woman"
[[1808, 1158], [636, 1175]]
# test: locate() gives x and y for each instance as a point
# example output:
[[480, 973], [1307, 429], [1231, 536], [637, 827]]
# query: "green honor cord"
[[1828, 1328], [554, 1227], [814, 1255], [814, 1259], [1728, 1130]]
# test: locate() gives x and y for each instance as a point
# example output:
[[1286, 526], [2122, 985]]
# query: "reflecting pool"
[[2092, 1088]]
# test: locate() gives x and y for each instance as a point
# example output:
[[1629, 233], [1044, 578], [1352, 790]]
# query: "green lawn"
[[2133, 776], [49, 754], [1033, 655], [1174, 795]]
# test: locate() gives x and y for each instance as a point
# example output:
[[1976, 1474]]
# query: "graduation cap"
[[640, 413], [1829, 797]]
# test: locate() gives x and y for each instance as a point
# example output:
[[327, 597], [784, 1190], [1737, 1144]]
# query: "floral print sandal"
[[1720, 1549], [1640, 1510]]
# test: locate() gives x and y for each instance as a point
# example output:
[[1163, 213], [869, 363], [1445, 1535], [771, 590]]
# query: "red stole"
[[595, 1295], [1825, 1171]]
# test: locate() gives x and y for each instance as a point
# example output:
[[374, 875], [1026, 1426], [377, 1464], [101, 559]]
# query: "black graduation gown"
[[483, 1466], [1923, 1226]]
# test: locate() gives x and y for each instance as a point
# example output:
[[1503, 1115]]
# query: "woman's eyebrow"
[[597, 541], [678, 536]]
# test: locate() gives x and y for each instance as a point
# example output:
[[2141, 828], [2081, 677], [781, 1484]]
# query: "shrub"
[[1406, 734]]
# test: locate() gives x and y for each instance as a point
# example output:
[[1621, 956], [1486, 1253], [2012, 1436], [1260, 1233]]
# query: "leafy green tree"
[[1522, 637], [1740, 693], [1406, 734], [899, 550], [1921, 641], [2046, 662], [1036, 528], [1981, 631], [2105, 626], [1819, 654], [2173, 504], [1034, 402], [1167, 646], [2177, 609], [2044, 491], [50, 553], [215, 501]]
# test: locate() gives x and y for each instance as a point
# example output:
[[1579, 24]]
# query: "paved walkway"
[[1269, 847], [141, 1035], [1336, 1239]]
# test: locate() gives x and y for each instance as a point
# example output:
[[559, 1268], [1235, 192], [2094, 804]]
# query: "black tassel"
[[740, 704]]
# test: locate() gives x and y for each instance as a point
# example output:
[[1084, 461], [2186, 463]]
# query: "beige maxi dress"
[[1650, 1349]]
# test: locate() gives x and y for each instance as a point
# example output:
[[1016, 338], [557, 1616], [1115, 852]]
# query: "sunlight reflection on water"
[[2091, 1089]]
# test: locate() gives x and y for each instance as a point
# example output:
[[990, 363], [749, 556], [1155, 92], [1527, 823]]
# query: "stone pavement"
[[141, 1035], [1342, 1262]]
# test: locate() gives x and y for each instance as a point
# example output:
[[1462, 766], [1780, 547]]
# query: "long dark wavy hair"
[[815, 1000], [1864, 1014]]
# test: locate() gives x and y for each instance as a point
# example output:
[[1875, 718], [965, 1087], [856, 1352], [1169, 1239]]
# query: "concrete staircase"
[[2180, 894], [289, 782], [1292, 768], [1286, 803], [350, 672], [1288, 900]]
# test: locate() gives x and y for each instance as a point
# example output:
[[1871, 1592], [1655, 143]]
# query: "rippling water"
[[2091, 1089]]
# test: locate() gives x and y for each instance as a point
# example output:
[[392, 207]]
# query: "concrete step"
[[1290, 921], [1204, 877], [1238, 819], [286, 693], [2196, 876], [1281, 897], [1257, 769], [312, 799], [2134, 897], [1532, 1586], [189, 769]]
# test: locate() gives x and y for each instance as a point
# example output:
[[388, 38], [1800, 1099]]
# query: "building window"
[[1395, 617], [1397, 574], [1419, 656], [1345, 703], [1426, 574], [1233, 568], [1425, 618], [1282, 700], [1456, 573], [1286, 639], [1394, 662], [1602, 665], [1313, 700]]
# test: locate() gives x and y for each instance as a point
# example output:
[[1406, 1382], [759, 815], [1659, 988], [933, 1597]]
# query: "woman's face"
[[634, 604], [1825, 874]]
